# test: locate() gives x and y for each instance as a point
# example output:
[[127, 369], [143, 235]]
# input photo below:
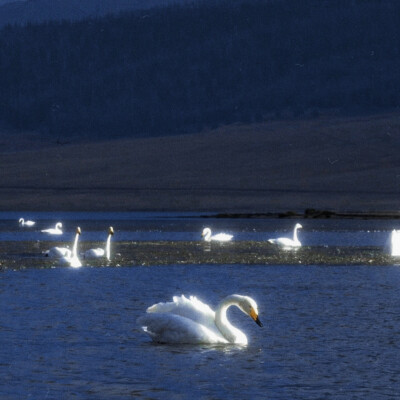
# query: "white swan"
[[99, 252], [188, 320], [58, 252], [394, 245], [288, 243], [72, 259], [219, 237], [22, 222], [54, 231]]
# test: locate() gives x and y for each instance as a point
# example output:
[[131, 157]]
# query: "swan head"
[[21, 221], [78, 230], [58, 225], [297, 226], [111, 230], [206, 231], [248, 306]]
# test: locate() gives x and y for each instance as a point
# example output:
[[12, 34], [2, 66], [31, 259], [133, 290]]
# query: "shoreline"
[[310, 214]]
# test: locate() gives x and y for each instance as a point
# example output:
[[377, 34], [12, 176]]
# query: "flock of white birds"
[[188, 320], [67, 256]]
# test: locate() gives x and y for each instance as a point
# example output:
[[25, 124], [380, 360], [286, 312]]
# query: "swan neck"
[[74, 248], [295, 234], [108, 244], [230, 333]]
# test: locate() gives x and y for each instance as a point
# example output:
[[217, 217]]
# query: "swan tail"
[[172, 328]]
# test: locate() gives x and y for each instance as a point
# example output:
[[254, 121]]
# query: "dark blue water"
[[329, 333], [151, 226]]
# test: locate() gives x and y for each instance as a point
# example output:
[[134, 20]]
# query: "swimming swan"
[[394, 245], [54, 231], [188, 320], [22, 222], [99, 252], [288, 243], [220, 237], [72, 259]]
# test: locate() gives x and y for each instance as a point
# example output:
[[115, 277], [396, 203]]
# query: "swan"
[[54, 231], [219, 237], [99, 252], [288, 243], [394, 245], [58, 252], [72, 258], [188, 320], [22, 222]]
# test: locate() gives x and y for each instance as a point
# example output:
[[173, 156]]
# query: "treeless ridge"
[[346, 164]]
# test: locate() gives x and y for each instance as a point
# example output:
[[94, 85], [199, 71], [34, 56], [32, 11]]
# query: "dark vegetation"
[[181, 69], [21, 12]]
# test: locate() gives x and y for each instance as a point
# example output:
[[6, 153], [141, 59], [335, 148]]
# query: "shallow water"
[[330, 330]]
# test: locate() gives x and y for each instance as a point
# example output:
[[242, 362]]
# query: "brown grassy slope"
[[346, 164]]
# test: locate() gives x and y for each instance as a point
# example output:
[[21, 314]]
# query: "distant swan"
[[54, 231], [220, 237], [188, 320], [288, 243], [394, 245], [99, 252], [22, 222], [72, 259]]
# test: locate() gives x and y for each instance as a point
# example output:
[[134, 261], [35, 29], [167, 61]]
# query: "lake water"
[[330, 331]]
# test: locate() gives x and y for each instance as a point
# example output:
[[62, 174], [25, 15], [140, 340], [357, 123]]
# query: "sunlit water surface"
[[330, 332]]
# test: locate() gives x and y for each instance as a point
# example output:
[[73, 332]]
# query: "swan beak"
[[254, 315], [111, 230]]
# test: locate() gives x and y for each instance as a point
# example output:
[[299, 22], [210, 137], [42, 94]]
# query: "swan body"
[[219, 237], [58, 252], [72, 258], [394, 245], [99, 252], [54, 231], [288, 243], [188, 320], [22, 222]]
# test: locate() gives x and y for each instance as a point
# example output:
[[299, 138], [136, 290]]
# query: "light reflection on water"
[[328, 333]]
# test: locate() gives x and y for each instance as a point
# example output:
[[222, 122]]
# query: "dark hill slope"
[[182, 69], [342, 164], [36, 11]]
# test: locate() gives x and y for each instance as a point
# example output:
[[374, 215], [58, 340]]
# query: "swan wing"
[[172, 328], [190, 308], [284, 242], [222, 237], [94, 253], [30, 223], [57, 252], [52, 231]]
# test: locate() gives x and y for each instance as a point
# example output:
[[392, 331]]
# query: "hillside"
[[36, 11], [342, 164], [180, 69]]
